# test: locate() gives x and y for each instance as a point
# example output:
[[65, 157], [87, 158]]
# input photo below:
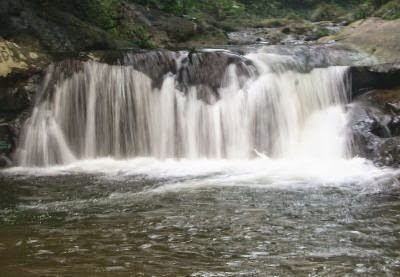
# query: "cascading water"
[[184, 105]]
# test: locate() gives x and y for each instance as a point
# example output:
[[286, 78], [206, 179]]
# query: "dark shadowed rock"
[[389, 152], [208, 69], [8, 140], [204, 69], [375, 124], [383, 76], [17, 92]]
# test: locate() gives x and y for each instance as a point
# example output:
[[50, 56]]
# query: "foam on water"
[[210, 172], [175, 176], [269, 122]]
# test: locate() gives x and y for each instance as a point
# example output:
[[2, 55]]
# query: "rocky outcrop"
[[375, 124], [17, 92], [375, 112], [16, 58], [382, 76], [20, 77], [284, 31], [377, 37]]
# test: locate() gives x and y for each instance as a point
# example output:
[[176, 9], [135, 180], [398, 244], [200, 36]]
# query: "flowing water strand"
[[99, 110]]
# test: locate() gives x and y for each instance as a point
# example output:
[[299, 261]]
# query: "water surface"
[[145, 217]]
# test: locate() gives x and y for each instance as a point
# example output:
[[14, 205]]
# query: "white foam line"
[[259, 171]]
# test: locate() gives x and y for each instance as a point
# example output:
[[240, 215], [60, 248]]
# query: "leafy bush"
[[218, 8], [101, 13]]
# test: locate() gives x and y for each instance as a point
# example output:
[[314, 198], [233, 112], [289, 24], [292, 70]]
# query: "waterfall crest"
[[183, 105]]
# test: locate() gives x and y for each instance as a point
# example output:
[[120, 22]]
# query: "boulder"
[[367, 78], [374, 36], [8, 140], [17, 92], [375, 126]]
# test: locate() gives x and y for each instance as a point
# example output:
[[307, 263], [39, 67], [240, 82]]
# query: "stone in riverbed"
[[375, 126]]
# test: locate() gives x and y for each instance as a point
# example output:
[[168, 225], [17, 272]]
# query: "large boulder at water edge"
[[375, 36], [375, 124], [375, 112], [382, 76]]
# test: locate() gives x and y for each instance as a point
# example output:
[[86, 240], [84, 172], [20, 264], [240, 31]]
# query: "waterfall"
[[187, 105]]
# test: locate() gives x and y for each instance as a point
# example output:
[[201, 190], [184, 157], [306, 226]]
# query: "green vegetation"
[[106, 13], [162, 23], [390, 10], [222, 9], [219, 8]]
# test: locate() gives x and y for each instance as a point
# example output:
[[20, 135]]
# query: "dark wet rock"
[[17, 92], [205, 70], [155, 64], [213, 67], [5, 161], [368, 130], [383, 76], [389, 152], [194, 67], [394, 124], [375, 126], [8, 140]]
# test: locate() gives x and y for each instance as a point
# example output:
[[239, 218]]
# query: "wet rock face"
[[389, 152], [204, 69], [375, 114], [209, 69], [7, 134], [7, 143], [17, 92], [375, 124], [383, 76]]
